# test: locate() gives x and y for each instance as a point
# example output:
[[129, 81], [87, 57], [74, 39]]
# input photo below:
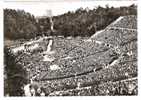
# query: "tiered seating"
[[110, 56], [126, 22], [108, 88]]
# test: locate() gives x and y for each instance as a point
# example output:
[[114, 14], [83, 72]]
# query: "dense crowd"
[[123, 87], [111, 56], [68, 76], [127, 22]]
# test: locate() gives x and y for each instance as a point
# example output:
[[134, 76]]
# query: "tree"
[[15, 74], [19, 24]]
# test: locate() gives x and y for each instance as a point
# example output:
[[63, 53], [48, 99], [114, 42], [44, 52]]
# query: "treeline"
[[19, 24], [82, 22]]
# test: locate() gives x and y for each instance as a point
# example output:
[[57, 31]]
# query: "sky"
[[58, 8]]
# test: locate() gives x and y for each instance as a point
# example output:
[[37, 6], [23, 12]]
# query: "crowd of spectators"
[[85, 63], [129, 22]]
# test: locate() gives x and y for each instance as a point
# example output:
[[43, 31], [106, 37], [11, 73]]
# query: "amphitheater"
[[104, 64]]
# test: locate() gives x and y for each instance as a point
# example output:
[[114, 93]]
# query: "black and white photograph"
[[83, 48]]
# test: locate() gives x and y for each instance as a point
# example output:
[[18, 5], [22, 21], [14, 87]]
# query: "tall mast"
[[49, 14]]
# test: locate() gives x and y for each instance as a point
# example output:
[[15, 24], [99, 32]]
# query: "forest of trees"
[[13, 70], [19, 24]]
